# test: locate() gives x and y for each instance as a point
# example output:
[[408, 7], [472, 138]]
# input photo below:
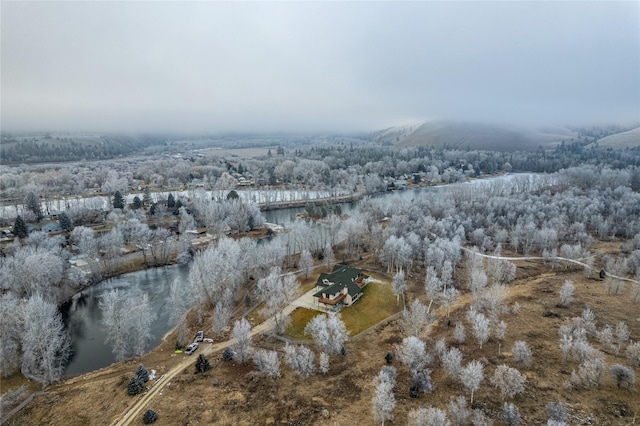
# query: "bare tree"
[[141, 318], [471, 376], [45, 343], [510, 414], [221, 316], [509, 380], [241, 336], [383, 401], [622, 334]]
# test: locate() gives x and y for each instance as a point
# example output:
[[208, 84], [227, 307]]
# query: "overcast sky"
[[211, 66]]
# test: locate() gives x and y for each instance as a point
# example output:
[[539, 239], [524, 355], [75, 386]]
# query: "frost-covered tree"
[[300, 359], [633, 353], [510, 414], [566, 293], [459, 332], [459, 410], [431, 416], [622, 334], [116, 309], [306, 262], [399, 285], [267, 363], [141, 317], [241, 335], [323, 363], [11, 324], [508, 380], [521, 353], [416, 318], [412, 353], [221, 316], [480, 327], [384, 401], [452, 360], [471, 376], [277, 292], [557, 412], [46, 345], [328, 331]]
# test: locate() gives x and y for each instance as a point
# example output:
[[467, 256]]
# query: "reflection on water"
[[83, 317]]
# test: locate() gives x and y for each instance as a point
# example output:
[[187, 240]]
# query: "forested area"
[[448, 243]]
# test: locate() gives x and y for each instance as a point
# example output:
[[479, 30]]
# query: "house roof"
[[340, 273], [341, 277], [352, 289]]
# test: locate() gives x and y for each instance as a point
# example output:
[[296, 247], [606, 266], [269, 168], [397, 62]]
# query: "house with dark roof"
[[343, 286]]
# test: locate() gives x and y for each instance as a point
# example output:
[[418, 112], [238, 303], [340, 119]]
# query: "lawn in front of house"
[[376, 304]]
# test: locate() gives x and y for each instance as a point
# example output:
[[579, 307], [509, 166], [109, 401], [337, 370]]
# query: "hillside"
[[470, 135], [629, 139]]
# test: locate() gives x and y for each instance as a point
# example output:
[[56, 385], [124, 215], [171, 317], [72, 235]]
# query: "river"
[[83, 315]]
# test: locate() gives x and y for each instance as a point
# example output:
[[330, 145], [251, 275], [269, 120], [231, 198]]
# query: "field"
[[231, 394]]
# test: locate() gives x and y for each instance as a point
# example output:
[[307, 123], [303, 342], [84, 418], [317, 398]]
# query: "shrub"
[[510, 414], [633, 353], [228, 354], [624, 376], [509, 380], [202, 364], [420, 383], [557, 411], [149, 417]]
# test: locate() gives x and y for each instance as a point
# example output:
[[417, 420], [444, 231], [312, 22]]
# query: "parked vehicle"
[[208, 340], [199, 336], [191, 348]]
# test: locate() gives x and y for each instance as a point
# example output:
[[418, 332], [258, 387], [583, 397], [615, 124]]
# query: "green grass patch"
[[376, 304]]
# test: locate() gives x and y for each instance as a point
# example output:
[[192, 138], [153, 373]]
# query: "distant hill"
[[464, 135], [629, 139]]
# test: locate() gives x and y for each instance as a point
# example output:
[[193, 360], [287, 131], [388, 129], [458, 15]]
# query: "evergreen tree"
[[118, 200], [232, 195], [142, 373], [135, 386], [152, 209], [202, 364], [32, 203], [137, 202], [20, 228], [65, 222], [149, 417], [146, 198], [171, 201]]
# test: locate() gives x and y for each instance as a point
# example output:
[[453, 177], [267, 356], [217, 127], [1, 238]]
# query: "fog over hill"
[[629, 139], [475, 135]]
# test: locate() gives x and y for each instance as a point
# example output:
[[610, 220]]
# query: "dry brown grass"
[[232, 394]]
